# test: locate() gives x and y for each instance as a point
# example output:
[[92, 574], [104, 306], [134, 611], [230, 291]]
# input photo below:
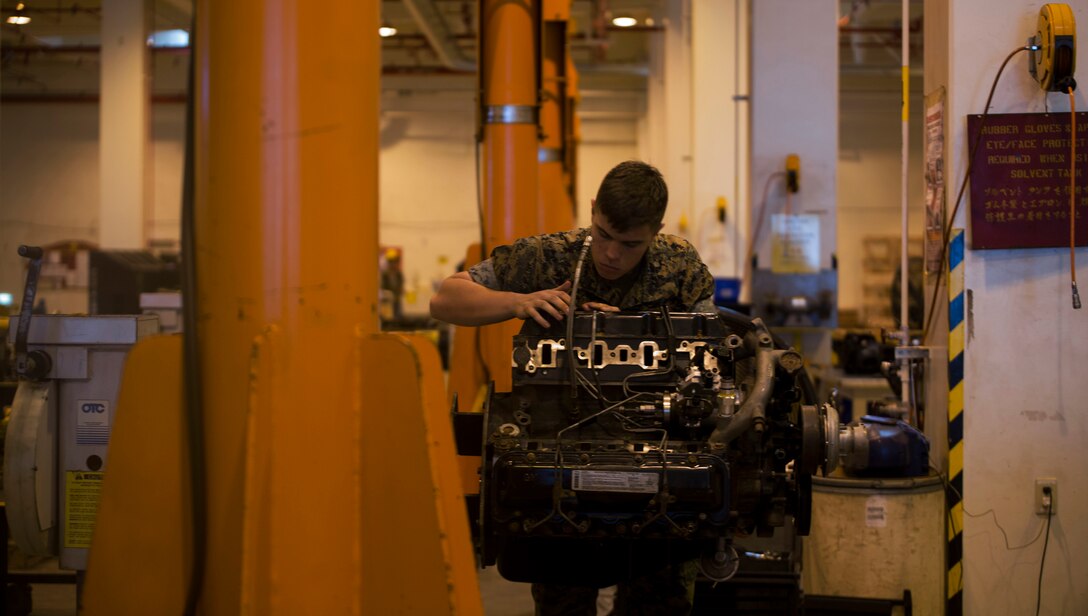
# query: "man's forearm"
[[462, 301]]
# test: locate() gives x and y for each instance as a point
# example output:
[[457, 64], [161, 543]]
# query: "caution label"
[[81, 490], [614, 481]]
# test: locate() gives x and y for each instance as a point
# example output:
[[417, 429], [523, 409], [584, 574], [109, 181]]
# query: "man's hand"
[[539, 305], [599, 306]]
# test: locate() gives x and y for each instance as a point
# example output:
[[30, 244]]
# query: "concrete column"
[[125, 191], [675, 158], [719, 65], [794, 110], [1024, 358]]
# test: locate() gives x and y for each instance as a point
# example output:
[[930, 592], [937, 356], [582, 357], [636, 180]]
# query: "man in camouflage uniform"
[[635, 267]]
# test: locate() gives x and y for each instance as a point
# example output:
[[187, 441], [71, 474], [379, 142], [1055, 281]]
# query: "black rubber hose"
[[194, 390]]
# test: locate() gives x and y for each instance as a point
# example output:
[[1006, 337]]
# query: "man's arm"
[[462, 301]]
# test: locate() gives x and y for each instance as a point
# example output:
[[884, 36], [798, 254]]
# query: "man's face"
[[616, 253]]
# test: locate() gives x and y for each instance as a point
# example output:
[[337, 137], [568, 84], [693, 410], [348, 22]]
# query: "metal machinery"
[[56, 444], [653, 437]]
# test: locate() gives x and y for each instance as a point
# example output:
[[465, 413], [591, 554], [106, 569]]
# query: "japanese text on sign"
[[1020, 180]]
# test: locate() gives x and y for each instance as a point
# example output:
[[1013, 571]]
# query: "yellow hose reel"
[[1054, 59]]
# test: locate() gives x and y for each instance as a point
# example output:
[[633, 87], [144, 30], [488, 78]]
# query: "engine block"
[[651, 437]]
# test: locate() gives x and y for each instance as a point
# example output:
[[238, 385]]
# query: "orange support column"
[[332, 484], [468, 375], [573, 134], [556, 211], [287, 176], [508, 77]]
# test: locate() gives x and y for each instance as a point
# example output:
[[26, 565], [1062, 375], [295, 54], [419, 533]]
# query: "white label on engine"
[[614, 481]]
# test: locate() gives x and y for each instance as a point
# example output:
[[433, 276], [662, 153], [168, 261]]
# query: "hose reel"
[[1054, 57]]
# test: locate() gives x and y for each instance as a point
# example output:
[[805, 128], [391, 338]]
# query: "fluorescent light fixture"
[[624, 22], [386, 31], [169, 38], [5, 299], [18, 19]]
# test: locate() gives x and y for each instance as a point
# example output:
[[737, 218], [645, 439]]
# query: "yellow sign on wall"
[[795, 244]]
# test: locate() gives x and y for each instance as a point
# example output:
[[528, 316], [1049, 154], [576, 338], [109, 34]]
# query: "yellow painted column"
[[508, 74], [332, 485], [508, 77], [468, 375], [555, 212], [286, 196], [574, 130]]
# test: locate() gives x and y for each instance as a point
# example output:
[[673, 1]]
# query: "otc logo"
[[93, 422]]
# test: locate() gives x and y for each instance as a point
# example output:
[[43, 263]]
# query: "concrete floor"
[[504, 598], [500, 597], [47, 599], [54, 600]]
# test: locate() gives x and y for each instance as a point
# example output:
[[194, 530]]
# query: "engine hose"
[[570, 319], [744, 323], [754, 406]]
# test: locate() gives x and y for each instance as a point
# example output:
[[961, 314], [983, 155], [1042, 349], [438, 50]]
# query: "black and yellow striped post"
[[956, 328]]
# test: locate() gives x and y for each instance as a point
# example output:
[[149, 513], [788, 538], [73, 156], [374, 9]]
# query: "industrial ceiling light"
[[624, 22], [17, 18], [176, 38], [386, 31]]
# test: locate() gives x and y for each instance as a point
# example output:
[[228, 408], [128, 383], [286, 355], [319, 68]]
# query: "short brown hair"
[[633, 194]]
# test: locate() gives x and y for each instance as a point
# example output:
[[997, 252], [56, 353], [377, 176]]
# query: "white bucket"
[[875, 538]]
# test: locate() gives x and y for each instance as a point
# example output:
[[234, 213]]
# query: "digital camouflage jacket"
[[671, 273]]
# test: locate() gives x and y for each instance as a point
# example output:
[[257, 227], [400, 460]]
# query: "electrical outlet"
[[1041, 485]]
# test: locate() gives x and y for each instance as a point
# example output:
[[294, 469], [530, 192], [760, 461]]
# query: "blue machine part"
[[881, 446]]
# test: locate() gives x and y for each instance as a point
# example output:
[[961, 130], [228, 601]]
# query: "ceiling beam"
[[442, 41]]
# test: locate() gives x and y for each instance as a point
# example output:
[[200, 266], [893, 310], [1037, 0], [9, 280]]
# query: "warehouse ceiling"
[[55, 55]]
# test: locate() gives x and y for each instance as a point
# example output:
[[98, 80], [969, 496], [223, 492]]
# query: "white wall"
[[794, 108], [605, 142], [719, 59], [427, 195], [666, 139], [1024, 381], [49, 183], [869, 179], [168, 150]]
